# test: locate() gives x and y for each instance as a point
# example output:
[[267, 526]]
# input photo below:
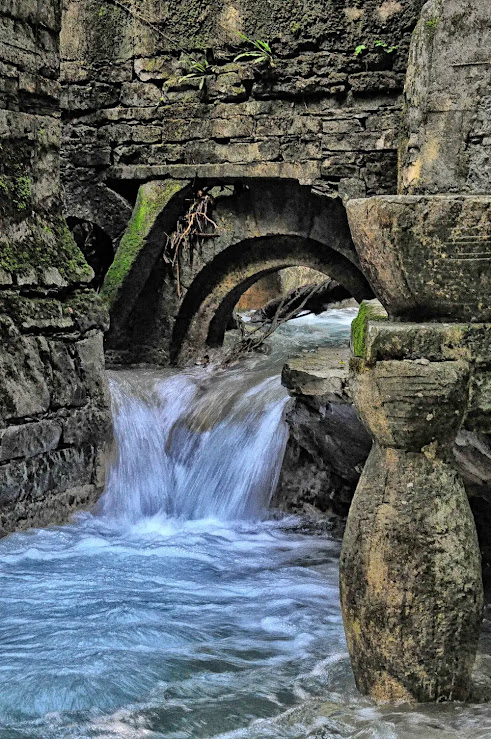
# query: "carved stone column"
[[410, 567], [411, 587]]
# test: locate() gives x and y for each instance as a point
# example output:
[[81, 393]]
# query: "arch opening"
[[210, 299]]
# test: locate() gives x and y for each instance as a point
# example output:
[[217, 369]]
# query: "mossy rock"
[[370, 310], [45, 244]]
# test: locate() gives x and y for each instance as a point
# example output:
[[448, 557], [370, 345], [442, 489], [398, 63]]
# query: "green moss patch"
[[152, 199], [370, 310], [45, 245]]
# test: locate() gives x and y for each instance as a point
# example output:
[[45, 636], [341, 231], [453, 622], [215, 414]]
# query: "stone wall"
[[322, 114], [54, 411]]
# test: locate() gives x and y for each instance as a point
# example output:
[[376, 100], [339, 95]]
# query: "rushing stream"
[[178, 609]]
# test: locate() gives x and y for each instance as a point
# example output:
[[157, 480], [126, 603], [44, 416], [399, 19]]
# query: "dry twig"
[[288, 308], [190, 229]]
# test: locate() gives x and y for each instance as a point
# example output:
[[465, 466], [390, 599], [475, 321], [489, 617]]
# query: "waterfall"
[[194, 446]]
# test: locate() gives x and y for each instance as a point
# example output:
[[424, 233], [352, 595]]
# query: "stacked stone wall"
[[323, 114], [54, 406]]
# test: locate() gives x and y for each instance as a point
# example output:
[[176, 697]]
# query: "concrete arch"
[[210, 300]]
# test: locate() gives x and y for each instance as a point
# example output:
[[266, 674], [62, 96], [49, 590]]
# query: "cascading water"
[[177, 609], [173, 437]]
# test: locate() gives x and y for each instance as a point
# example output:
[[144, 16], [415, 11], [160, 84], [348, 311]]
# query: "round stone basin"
[[426, 256]]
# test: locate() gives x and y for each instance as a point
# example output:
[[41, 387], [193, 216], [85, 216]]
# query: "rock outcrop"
[[328, 445]]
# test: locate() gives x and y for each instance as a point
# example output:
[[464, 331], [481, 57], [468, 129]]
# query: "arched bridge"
[[161, 313]]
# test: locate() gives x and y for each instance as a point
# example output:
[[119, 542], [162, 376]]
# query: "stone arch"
[[210, 300], [263, 226]]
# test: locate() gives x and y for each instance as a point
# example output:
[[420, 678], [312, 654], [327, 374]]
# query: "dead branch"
[[190, 230], [329, 292], [288, 307]]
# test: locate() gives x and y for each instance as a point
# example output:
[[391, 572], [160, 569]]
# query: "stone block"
[[426, 257], [87, 425], [411, 404], [320, 373], [142, 94], [50, 473], [24, 390], [29, 439], [90, 353], [67, 388], [86, 310], [34, 314]]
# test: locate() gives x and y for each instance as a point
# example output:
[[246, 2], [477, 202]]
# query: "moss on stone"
[[152, 199], [431, 26], [22, 192], [46, 245], [370, 310]]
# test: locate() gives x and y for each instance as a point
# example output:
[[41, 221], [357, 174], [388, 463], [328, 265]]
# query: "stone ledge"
[[435, 342], [305, 173], [320, 373]]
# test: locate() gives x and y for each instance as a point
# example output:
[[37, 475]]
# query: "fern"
[[260, 54], [200, 72]]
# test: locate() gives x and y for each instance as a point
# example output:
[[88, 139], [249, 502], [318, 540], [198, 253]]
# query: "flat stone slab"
[[323, 372], [435, 342]]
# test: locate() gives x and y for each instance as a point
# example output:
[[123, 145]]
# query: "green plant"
[[383, 45], [200, 71], [261, 53], [431, 26]]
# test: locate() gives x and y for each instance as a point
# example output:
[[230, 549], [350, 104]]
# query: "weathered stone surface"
[[29, 439], [45, 306], [411, 588], [412, 404], [328, 444], [140, 246], [437, 342], [323, 372], [24, 390], [426, 257], [472, 452], [445, 147], [319, 102], [305, 483]]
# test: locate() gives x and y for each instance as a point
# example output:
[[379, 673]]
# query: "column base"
[[411, 587]]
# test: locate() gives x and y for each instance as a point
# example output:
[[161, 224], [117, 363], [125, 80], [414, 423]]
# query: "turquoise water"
[[179, 608]]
